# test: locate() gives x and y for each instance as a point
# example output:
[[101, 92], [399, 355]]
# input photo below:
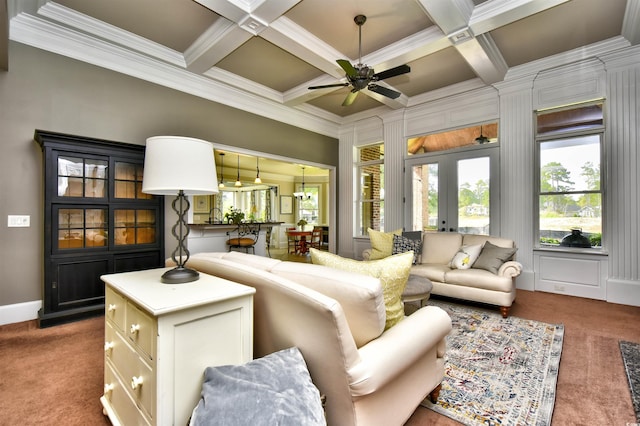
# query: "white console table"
[[159, 338]]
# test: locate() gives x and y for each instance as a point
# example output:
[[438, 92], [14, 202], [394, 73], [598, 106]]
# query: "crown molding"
[[38, 33], [99, 29]]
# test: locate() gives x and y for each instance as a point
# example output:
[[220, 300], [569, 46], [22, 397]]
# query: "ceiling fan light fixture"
[[361, 76], [481, 139]]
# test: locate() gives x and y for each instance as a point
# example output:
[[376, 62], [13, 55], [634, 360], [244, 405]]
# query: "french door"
[[453, 192]]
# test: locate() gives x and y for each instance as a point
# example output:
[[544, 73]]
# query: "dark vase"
[[575, 239]]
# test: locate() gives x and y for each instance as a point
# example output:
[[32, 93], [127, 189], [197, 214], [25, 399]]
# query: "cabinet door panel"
[[78, 282]]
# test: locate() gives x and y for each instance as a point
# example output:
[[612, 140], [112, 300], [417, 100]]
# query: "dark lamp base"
[[180, 275]]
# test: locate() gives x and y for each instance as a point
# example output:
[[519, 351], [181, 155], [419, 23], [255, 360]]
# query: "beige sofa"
[[369, 376], [473, 284]]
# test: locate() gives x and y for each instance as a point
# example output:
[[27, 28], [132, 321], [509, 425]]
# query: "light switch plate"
[[18, 221]]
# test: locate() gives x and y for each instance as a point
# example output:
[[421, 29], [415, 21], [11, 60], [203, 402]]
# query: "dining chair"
[[293, 242], [316, 237], [245, 236]]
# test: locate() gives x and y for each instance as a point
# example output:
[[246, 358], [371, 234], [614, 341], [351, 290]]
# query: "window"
[[308, 207], [370, 169], [570, 175]]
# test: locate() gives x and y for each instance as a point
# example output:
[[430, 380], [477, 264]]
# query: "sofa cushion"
[[381, 243], [432, 271], [402, 244], [274, 389], [471, 239], [439, 247], [393, 272], [478, 278], [492, 257], [359, 295], [465, 257]]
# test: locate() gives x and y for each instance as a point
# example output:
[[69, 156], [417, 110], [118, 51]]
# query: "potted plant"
[[301, 224], [234, 216]]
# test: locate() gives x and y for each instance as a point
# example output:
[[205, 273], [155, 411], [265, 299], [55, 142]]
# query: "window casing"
[[370, 178], [569, 185]]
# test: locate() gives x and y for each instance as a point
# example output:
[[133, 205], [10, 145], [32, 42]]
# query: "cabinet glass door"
[[80, 228], [82, 177], [134, 226]]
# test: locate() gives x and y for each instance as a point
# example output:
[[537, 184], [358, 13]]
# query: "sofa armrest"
[[510, 268], [366, 254], [382, 359]]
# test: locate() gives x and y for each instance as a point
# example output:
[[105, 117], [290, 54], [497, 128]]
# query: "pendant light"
[[221, 184], [238, 183], [302, 195], [257, 180]]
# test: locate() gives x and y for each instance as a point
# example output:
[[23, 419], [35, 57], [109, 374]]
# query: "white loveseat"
[[370, 376], [473, 284]]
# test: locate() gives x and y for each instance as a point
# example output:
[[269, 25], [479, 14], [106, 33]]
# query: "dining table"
[[303, 247]]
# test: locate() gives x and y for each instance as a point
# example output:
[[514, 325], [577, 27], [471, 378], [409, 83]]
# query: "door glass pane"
[[425, 197], [473, 195]]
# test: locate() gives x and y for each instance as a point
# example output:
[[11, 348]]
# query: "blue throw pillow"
[[273, 390]]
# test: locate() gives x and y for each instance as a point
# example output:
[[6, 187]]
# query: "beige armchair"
[[369, 376]]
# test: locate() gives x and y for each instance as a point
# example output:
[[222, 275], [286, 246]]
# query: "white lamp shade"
[[175, 163]]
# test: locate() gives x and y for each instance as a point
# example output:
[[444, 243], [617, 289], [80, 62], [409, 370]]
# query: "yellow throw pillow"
[[381, 243], [393, 273]]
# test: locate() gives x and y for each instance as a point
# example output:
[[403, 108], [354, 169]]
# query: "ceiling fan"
[[360, 76]]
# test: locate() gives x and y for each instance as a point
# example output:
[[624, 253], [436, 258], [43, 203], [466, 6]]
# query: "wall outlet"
[[558, 287], [18, 221]]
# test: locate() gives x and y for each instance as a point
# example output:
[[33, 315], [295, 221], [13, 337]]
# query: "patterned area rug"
[[631, 358], [498, 371]]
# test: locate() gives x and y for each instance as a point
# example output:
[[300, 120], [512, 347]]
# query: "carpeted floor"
[[498, 371], [631, 358], [54, 376]]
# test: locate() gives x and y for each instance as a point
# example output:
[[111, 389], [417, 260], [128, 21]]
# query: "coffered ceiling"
[[262, 55]]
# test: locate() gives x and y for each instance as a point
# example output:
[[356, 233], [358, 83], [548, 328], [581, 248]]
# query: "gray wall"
[[50, 92]]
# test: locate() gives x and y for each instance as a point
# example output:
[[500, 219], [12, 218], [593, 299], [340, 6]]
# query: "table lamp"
[[176, 165]]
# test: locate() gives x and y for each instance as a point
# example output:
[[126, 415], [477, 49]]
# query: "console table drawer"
[[120, 401], [114, 307], [141, 330]]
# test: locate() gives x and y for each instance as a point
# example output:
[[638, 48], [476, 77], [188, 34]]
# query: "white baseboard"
[[624, 292], [526, 281], [19, 312]]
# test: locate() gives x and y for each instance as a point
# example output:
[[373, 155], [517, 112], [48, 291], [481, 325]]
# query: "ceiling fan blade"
[[328, 85], [402, 69], [347, 67], [384, 91], [350, 98]]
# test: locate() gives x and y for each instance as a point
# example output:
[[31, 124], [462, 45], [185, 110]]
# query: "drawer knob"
[[136, 382], [108, 387], [108, 346], [111, 308], [135, 328]]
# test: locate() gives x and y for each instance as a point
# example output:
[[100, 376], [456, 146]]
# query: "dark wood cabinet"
[[97, 221]]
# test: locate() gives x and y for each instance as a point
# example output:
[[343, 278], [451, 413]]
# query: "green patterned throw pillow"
[[392, 271]]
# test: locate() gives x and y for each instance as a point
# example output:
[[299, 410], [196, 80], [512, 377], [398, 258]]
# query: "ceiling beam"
[[238, 22]]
